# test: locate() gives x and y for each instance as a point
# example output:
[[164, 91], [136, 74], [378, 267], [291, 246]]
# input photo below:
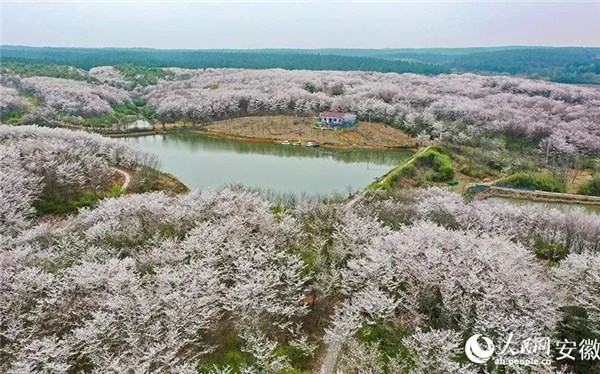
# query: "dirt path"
[[126, 176]]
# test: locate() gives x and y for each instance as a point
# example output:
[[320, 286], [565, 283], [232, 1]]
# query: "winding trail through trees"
[[127, 178]]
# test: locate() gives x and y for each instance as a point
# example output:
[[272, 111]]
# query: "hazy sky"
[[299, 24]]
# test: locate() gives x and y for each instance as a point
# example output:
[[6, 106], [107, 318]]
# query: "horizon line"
[[306, 49]]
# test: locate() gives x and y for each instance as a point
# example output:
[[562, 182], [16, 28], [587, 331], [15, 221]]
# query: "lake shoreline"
[[261, 140], [255, 140], [213, 161], [275, 129]]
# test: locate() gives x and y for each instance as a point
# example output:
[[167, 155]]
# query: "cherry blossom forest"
[[458, 105], [226, 280]]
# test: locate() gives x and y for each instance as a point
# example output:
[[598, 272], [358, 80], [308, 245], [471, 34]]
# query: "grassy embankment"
[[430, 165], [148, 180], [457, 167]]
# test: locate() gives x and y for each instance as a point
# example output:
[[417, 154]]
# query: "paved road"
[[127, 178]]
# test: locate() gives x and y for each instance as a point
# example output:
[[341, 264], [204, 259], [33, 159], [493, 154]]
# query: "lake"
[[200, 161]]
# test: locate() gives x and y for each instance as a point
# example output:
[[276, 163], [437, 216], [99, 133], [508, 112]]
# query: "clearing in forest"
[[281, 128]]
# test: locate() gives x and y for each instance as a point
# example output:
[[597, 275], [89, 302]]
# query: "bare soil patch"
[[276, 129]]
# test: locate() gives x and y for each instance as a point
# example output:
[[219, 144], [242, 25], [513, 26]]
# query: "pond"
[[595, 209], [201, 161]]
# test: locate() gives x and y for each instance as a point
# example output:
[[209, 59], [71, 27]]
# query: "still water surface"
[[200, 161], [595, 209]]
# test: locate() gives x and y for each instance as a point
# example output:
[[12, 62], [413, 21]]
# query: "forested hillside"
[[194, 59], [564, 64], [227, 281]]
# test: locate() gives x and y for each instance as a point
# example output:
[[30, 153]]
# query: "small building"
[[139, 124], [332, 118]]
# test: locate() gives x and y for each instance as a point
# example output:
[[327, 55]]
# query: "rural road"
[[127, 178]]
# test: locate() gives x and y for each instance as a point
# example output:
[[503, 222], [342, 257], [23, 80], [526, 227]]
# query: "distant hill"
[[558, 64], [87, 58], [566, 65]]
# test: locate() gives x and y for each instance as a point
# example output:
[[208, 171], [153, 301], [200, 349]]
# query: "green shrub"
[[432, 165], [291, 371], [550, 251], [53, 203], [127, 109], [386, 334], [477, 171], [114, 191], [519, 144], [426, 178], [395, 175], [310, 87], [497, 164], [149, 180], [590, 163], [235, 359], [337, 90], [228, 354], [536, 181], [35, 101], [437, 159], [147, 111], [299, 359], [103, 121], [133, 108], [591, 187], [444, 218], [12, 117], [408, 170]]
